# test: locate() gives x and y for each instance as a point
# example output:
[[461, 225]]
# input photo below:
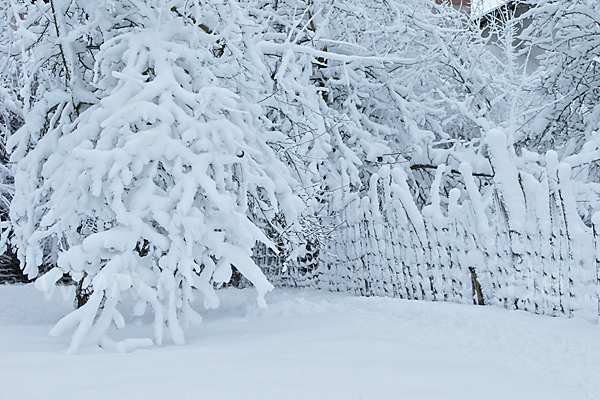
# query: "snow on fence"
[[518, 242]]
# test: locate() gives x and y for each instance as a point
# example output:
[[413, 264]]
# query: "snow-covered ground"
[[307, 345]]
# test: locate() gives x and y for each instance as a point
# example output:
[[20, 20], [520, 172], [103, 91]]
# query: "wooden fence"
[[523, 241]]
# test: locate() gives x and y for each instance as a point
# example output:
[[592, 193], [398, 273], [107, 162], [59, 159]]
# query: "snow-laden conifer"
[[144, 188]]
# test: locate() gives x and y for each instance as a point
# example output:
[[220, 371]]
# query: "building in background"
[[460, 5]]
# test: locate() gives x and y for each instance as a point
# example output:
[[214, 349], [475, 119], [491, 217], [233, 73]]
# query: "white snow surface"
[[306, 345]]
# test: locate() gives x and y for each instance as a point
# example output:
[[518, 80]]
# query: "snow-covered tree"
[[137, 161], [565, 113], [11, 118], [568, 33], [364, 84]]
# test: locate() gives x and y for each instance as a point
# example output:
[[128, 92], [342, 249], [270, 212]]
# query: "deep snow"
[[306, 345]]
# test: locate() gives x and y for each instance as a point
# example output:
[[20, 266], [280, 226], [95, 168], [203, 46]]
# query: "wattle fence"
[[525, 238]]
